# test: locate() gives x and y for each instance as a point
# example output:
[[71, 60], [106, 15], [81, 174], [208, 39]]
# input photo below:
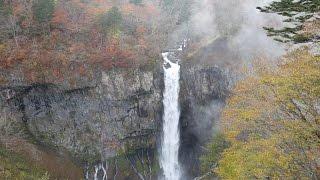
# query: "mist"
[[239, 22], [232, 35], [236, 27]]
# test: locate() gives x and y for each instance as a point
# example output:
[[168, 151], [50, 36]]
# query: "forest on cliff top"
[[52, 41]]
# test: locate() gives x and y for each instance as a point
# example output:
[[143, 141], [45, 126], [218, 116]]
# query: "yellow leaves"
[[232, 135], [256, 159], [2, 48], [3, 80], [268, 141], [3, 55]]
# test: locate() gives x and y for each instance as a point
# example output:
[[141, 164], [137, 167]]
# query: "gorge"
[[158, 89], [122, 112]]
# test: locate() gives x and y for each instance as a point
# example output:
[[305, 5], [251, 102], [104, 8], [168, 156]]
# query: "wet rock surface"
[[91, 121], [120, 112], [204, 90]]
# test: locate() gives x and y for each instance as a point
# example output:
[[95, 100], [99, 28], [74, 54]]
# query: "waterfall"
[[171, 135], [97, 169]]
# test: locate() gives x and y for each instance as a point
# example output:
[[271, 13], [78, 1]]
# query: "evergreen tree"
[[111, 21], [43, 10], [297, 13], [136, 2]]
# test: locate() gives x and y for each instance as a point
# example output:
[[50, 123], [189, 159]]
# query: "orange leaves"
[[60, 16], [20, 12], [25, 24], [151, 9], [77, 47], [82, 70], [141, 30], [113, 55], [113, 48], [74, 37], [57, 73], [21, 54], [111, 143], [45, 59], [118, 56], [6, 63], [14, 57], [18, 8], [92, 8], [129, 8], [142, 43]]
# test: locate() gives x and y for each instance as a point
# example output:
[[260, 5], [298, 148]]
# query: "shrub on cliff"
[[214, 152]]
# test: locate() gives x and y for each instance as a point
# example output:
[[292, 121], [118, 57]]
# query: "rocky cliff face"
[[120, 114], [126, 105], [203, 92]]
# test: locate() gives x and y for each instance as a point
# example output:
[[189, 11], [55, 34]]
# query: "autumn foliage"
[[272, 122], [51, 41]]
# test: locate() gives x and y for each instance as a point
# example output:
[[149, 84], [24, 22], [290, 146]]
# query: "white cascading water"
[[171, 135], [98, 168]]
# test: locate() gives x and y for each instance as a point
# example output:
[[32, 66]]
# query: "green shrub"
[[210, 159]]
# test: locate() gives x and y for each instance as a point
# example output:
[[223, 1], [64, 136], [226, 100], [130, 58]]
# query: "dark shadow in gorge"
[[204, 87]]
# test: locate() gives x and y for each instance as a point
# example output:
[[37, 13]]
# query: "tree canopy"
[[297, 13], [43, 10], [273, 123], [110, 22]]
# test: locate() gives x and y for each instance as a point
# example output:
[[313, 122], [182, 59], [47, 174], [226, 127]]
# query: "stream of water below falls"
[[169, 161]]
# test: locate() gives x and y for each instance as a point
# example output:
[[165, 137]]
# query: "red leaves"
[[82, 70], [13, 58], [140, 30], [112, 56], [118, 56], [57, 73], [74, 38]]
